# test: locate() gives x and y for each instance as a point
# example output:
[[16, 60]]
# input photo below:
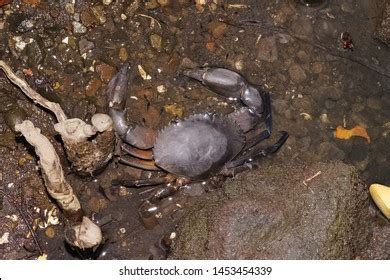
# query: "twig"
[[12, 201], [31, 93], [151, 18], [311, 178]]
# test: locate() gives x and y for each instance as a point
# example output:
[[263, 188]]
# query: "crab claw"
[[138, 136], [229, 84]]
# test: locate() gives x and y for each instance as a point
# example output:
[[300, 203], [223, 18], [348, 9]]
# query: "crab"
[[200, 146]]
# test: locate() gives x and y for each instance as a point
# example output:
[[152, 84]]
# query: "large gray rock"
[[269, 213]]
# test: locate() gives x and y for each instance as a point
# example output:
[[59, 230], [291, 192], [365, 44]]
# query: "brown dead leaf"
[[343, 133]]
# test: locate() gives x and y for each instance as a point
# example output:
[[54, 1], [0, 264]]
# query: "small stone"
[[107, 2], [317, 67], [164, 3], [97, 204], [105, 71], [85, 46], [87, 17], [98, 12], [32, 2], [217, 28], [92, 87], [78, 27], [123, 55], [303, 56], [210, 46], [283, 15], [151, 4], [161, 89], [156, 41], [123, 191], [50, 232], [69, 8], [297, 74], [267, 49]]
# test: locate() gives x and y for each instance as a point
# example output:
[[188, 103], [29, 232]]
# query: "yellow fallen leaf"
[[43, 257], [343, 133]]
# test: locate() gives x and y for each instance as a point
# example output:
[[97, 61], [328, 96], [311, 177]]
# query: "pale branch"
[[31, 93]]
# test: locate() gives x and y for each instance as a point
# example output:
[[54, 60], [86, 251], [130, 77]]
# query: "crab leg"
[[138, 136], [142, 182], [267, 116], [244, 162], [140, 163], [138, 153]]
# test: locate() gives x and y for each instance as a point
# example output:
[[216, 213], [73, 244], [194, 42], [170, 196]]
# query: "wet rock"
[[297, 74], [271, 214], [383, 29], [267, 49]]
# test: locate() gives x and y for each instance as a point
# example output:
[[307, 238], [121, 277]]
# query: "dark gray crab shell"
[[199, 146]]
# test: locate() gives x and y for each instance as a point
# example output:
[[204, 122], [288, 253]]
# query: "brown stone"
[[217, 28], [50, 232], [105, 71], [297, 74], [92, 87]]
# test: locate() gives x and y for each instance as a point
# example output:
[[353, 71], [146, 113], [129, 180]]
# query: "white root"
[[91, 155], [57, 186], [86, 235], [31, 93], [76, 130]]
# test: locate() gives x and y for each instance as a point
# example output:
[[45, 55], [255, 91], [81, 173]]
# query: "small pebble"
[[78, 27], [156, 41], [50, 232], [123, 56]]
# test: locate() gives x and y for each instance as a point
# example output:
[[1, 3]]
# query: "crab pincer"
[[136, 135]]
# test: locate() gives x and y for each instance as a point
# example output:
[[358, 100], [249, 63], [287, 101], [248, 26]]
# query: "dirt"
[[316, 81]]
